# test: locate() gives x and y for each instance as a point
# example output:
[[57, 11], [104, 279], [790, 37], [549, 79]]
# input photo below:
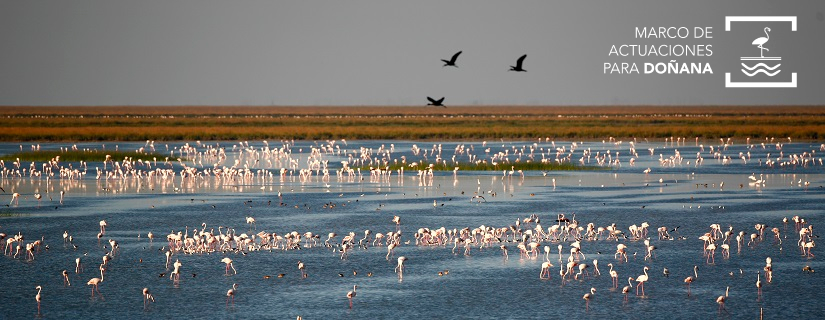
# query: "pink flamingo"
[[400, 267], [302, 268], [545, 270], [66, 278], [626, 289], [641, 279], [587, 297], [351, 294], [721, 300], [229, 264], [94, 283], [758, 286], [37, 297], [147, 298], [613, 275], [230, 294], [690, 280]]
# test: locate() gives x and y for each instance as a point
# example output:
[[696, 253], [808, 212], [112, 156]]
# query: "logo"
[[760, 71]]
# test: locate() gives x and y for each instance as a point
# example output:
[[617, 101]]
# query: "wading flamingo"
[[147, 298], [37, 297], [641, 279], [351, 295], [230, 294], [690, 280], [626, 289], [400, 267], [587, 297], [229, 264], [721, 300]]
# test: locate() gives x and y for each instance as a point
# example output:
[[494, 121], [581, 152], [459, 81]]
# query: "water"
[[480, 285]]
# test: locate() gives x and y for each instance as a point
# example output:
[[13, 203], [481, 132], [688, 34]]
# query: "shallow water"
[[480, 285]]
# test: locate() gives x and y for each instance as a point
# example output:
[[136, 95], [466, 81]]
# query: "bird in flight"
[[452, 60], [518, 67], [436, 103]]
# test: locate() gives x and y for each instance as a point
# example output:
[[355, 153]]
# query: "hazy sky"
[[167, 52]]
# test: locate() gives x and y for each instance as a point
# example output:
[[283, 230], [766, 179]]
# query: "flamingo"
[[690, 280], [390, 250], [545, 270], [759, 42], [721, 300], [229, 264], [302, 268], [596, 267], [626, 289], [103, 225], [37, 297], [400, 267], [94, 283], [587, 297], [518, 67], [758, 286], [66, 278], [230, 294], [147, 297], [452, 60], [351, 294], [641, 279], [613, 275]]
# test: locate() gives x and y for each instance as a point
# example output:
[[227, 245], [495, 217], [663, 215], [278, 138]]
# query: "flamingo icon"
[[759, 42]]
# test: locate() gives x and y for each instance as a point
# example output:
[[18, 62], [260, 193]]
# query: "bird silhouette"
[[518, 67], [436, 103], [452, 60], [759, 42]]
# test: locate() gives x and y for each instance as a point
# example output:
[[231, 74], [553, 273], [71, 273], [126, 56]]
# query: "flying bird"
[[452, 60], [436, 103], [518, 67]]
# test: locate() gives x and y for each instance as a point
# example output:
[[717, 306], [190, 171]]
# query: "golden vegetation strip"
[[410, 123]]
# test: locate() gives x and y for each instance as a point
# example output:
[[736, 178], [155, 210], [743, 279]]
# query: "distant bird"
[[230, 294], [587, 297], [518, 67], [759, 42], [452, 60], [37, 297], [721, 300], [351, 294], [436, 103]]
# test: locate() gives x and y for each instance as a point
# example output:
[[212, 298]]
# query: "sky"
[[205, 52]]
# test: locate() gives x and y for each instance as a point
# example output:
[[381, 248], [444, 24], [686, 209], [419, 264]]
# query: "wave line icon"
[[751, 74], [760, 65]]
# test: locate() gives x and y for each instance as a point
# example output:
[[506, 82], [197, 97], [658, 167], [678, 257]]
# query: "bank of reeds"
[[411, 123]]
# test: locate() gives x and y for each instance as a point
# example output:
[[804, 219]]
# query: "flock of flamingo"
[[199, 165]]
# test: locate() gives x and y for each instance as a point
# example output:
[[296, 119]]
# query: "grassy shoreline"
[[409, 123]]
